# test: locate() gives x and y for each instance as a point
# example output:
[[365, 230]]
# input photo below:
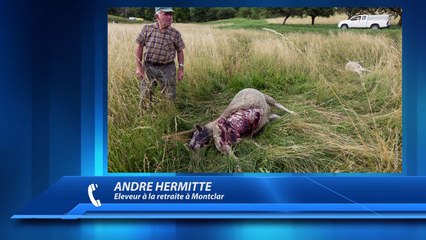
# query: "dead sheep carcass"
[[247, 113], [356, 67]]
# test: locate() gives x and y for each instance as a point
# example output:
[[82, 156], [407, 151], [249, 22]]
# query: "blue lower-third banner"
[[230, 197]]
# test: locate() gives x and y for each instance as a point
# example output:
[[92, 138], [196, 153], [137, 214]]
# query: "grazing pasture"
[[345, 122]]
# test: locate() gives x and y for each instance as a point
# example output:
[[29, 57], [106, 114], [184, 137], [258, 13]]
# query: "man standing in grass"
[[156, 65]]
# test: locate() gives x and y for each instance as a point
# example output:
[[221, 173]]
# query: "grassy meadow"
[[345, 122]]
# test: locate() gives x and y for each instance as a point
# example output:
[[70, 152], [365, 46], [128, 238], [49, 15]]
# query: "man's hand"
[[180, 74], [140, 72]]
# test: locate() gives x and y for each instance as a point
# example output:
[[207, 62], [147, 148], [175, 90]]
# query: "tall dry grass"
[[346, 122]]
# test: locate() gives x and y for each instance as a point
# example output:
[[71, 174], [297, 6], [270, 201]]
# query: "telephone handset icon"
[[90, 189]]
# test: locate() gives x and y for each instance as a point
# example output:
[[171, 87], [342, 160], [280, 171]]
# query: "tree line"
[[185, 15]]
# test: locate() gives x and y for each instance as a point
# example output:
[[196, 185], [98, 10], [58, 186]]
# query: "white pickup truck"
[[366, 21]]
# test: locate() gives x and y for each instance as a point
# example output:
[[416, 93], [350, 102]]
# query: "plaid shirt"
[[160, 47]]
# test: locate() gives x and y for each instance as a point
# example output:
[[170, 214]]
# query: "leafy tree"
[[286, 12], [353, 11], [211, 14], [396, 12], [182, 15], [122, 12], [134, 12], [225, 13], [251, 13], [148, 13], [139, 12], [244, 12], [220, 13], [318, 12], [198, 14], [114, 11]]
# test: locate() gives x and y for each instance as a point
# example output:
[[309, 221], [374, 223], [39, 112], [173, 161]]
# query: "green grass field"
[[345, 122], [393, 32]]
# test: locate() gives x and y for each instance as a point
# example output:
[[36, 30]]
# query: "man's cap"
[[163, 9]]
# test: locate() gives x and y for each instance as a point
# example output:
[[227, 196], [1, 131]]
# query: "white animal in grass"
[[356, 67]]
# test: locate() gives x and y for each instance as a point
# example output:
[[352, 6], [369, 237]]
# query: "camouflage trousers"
[[163, 75]]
